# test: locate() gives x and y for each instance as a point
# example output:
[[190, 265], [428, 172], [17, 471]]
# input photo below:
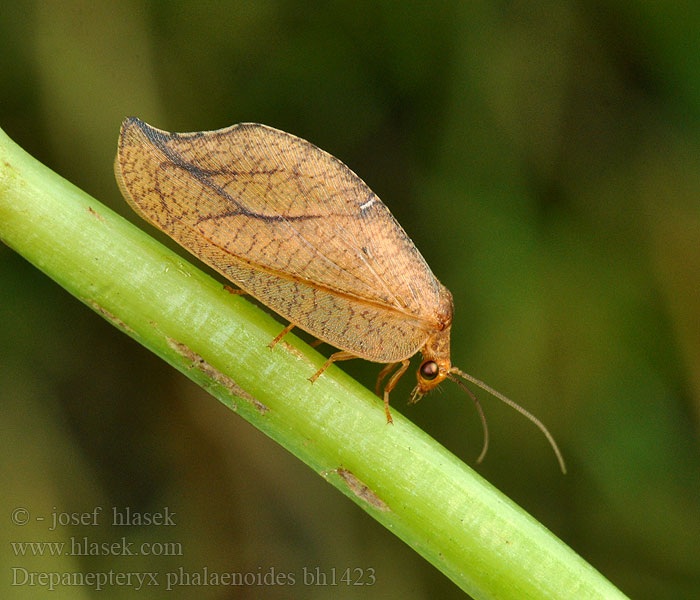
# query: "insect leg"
[[342, 355], [234, 291], [382, 374], [391, 384], [284, 332]]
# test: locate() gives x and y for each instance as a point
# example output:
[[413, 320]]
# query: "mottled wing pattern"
[[291, 225]]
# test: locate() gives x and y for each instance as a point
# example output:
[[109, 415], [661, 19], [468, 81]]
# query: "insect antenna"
[[481, 414], [509, 402]]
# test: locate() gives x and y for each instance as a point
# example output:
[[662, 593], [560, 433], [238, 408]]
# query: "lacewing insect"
[[295, 228]]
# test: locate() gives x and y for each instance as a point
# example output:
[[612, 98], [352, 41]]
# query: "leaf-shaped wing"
[[291, 225]]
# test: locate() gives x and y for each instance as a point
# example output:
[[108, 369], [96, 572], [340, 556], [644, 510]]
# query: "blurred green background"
[[545, 159]]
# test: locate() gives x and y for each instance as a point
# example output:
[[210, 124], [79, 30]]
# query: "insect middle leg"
[[342, 355], [391, 384], [284, 332]]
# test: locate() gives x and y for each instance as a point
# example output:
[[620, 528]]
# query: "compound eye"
[[429, 370]]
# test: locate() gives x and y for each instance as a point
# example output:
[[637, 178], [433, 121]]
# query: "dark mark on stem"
[[361, 490], [114, 319], [198, 362]]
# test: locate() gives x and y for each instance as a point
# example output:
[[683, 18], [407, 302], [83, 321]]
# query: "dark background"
[[545, 159]]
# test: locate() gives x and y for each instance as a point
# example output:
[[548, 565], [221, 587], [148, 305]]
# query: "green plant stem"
[[403, 478]]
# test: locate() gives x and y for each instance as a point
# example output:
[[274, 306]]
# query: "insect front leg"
[[391, 384], [382, 374]]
